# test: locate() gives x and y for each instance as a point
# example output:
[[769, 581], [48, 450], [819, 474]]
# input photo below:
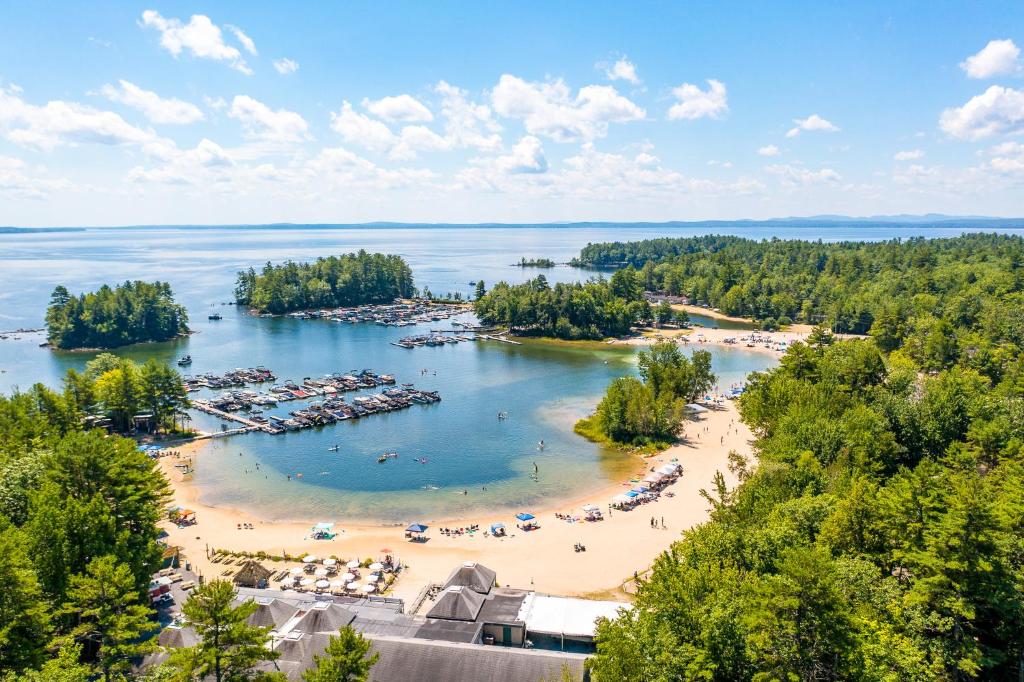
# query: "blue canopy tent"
[[525, 517], [632, 493], [497, 529], [527, 520], [415, 532]]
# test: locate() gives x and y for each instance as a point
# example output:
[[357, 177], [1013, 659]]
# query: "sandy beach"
[[543, 559], [698, 336]]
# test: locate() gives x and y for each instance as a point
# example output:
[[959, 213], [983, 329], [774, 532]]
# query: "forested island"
[[133, 312], [898, 286], [536, 263], [592, 310], [879, 535], [335, 281]]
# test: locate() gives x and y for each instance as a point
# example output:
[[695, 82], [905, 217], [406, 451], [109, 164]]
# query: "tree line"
[[133, 312], [898, 285], [878, 538], [591, 310], [335, 281], [647, 411]]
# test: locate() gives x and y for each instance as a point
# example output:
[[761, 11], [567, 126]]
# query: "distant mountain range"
[[901, 220]]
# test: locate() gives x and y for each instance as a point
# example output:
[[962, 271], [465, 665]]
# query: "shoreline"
[[623, 544]]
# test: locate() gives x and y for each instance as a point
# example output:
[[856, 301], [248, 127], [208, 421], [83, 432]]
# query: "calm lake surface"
[[543, 386]]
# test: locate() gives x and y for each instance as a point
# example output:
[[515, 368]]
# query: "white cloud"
[[157, 109], [467, 124], [246, 41], [286, 66], [400, 108], [262, 122], [909, 155], [623, 70], [58, 123], [695, 103], [1007, 157], [998, 110], [812, 123], [549, 109], [207, 162], [768, 150], [342, 167], [360, 129], [527, 157], [414, 139], [797, 176], [715, 163], [17, 181], [200, 36], [998, 58]]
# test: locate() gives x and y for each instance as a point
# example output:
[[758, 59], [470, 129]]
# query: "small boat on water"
[[333, 448], [386, 456], [215, 316], [187, 360]]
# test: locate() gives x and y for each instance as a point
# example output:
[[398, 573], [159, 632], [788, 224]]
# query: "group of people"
[[460, 531]]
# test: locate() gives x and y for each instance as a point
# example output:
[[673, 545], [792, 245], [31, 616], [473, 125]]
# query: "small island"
[[335, 281], [133, 312], [535, 263]]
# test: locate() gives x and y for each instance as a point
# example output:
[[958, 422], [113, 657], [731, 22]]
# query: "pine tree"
[[230, 648], [105, 602], [345, 659]]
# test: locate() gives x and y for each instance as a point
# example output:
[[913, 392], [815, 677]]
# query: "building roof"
[[270, 613], [566, 616], [476, 577], [402, 660], [502, 606], [450, 631], [457, 603], [251, 574], [324, 617]]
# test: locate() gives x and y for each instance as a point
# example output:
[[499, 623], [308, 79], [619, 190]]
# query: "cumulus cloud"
[[549, 109], [200, 36], [206, 162], [467, 124], [622, 70], [245, 40], [909, 155], [286, 66], [527, 157], [415, 139], [63, 123], [797, 176], [998, 58], [996, 111], [400, 108], [17, 181], [357, 128], [261, 122], [1007, 157], [812, 123], [157, 109], [768, 150], [694, 103], [342, 167]]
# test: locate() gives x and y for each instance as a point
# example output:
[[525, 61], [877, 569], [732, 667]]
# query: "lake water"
[[543, 386]]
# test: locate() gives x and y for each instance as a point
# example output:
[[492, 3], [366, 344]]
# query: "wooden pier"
[[204, 406]]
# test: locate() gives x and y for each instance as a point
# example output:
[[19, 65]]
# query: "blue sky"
[[115, 113]]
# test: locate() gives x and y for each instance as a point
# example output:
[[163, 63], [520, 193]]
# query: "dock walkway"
[[204, 406]]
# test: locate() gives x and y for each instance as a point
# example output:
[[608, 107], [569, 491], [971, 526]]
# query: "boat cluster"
[[235, 377], [335, 409], [390, 315], [435, 339], [329, 385]]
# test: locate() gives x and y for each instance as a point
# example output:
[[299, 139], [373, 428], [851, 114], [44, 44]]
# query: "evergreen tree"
[[24, 614], [346, 659]]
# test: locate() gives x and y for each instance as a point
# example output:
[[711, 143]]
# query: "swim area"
[[455, 457]]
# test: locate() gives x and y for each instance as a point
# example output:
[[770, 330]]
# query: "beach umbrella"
[[309, 559], [323, 584], [348, 577], [353, 586], [320, 573], [368, 588], [374, 577], [306, 582], [352, 564], [296, 570], [523, 516], [590, 507], [376, 566], [337, 583], [330, 562], [385, 550], [416, 528]]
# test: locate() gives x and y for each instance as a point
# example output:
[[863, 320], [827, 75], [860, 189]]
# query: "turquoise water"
[[544, 387]]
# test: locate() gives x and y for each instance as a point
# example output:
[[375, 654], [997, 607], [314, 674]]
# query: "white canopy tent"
[[566, 616]]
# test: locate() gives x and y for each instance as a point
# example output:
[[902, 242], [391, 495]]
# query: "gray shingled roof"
[[476, 577], [330, 618], [271, 613], [457, 603], [405, 660], [502, 605]]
